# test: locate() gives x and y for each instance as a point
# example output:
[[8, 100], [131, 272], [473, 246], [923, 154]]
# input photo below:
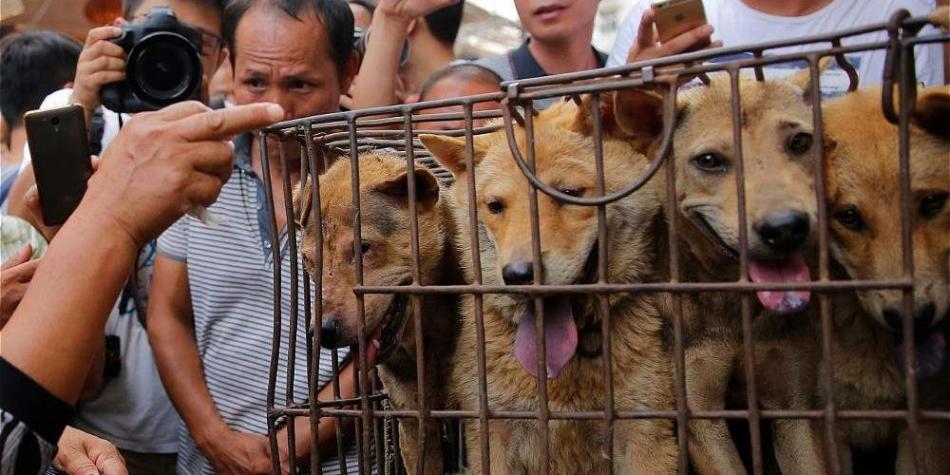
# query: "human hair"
[[335, 15], [459, 72], [33, 65], [444, 23], [129, 6]]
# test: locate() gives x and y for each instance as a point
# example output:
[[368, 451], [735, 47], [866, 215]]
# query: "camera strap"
[[97, 126]]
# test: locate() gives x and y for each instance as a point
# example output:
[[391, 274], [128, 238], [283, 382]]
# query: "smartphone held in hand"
[[675, 17]]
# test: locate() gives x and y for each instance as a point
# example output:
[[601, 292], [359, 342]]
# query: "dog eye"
[[850, 218], [365, 247], [710, 162], [573, 192], [932, 205], [495, 206], [800, 143]]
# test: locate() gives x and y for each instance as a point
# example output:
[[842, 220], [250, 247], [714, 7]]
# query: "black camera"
[[163, 64]]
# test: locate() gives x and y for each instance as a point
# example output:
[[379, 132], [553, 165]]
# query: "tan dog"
[[864, 193], [780, 204], [387, 260], [572, 324]]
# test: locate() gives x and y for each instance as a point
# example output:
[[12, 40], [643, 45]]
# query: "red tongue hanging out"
[[792, 269], [560, 337]]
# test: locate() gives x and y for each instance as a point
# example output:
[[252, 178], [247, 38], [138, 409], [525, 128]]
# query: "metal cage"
[[345, 135]]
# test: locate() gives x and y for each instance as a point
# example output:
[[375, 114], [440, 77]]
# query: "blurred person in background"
[[457, 80], [212, 294], [160, 165], [743, 22], [388, 75], [132, 411], [362, 12], [32, 65]]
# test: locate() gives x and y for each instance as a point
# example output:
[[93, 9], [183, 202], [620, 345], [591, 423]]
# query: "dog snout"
[[331, 333], [518, 273], [923, 317], [784, 231]]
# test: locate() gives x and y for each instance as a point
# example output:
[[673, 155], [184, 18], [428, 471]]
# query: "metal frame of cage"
[[347, 133]]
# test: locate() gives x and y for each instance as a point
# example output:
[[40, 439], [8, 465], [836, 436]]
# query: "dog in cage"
[[572, 363], [775, 125], [386, 254], [864, 192]]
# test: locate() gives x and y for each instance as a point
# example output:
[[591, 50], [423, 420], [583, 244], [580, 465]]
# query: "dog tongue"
[[560, 337], [791, 269], [931, 354]]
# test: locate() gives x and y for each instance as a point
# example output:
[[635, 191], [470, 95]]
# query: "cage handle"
[[669, 119]]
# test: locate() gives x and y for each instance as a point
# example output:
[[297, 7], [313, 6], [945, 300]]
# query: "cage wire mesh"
[[497, 424]]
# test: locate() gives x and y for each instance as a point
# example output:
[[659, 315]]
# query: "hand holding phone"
[[59, 150], [680, 32]]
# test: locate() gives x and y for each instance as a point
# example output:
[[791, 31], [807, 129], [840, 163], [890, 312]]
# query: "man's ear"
[[352, 67], [450, 151], [427, 187]]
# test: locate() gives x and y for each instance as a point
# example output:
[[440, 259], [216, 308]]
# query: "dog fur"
[[387, 260], [641, 365], [863, 182], [706, 214]]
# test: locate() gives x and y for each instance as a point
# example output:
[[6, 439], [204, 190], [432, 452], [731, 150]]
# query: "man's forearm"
[[68, 301], [179, 364], [376, 85]]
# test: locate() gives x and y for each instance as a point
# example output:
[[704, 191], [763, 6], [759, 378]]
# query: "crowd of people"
[[136, 337]]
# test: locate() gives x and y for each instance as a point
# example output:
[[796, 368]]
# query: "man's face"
[[556, 20], [287, 61], [453, 87], [207, 20]]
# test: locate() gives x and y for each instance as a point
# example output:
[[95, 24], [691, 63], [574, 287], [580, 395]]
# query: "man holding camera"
[[211, 302], [132, 411]]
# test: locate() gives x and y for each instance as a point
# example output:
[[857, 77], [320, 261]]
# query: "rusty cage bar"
[[395, 131]]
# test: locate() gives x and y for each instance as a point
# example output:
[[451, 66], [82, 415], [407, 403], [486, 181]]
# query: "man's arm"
[[376, 83], [171, 334]]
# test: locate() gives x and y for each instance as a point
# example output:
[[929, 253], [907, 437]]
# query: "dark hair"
[[129, 6], [33, 65], [335, 15], [459, 72], [444, 23]]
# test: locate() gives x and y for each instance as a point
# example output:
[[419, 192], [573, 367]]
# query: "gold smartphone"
[[675, 17]]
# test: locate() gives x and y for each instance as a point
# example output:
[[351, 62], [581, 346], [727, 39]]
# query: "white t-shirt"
[[738, 24], [133, 411]]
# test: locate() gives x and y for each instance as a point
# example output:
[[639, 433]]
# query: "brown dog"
[[864, 193], [780, 207], [573, 354], [387, 260]]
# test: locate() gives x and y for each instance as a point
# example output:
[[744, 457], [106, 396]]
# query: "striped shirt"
[[230, 275]]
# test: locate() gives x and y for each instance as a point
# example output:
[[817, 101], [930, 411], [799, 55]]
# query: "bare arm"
[[171, 335]]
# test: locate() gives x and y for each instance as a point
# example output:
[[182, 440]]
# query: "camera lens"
[[165, 68]]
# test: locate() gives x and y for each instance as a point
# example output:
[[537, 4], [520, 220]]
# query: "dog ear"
[[637, 113], [933, 111], [397, 187], [802, 79], [450, 151], [302, 200]]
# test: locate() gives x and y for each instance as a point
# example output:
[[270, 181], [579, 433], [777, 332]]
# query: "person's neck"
[[574, 54], [789, 8], [14, 154], [426, 56]]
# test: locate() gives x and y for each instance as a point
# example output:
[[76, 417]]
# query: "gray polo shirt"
[[230, 275]]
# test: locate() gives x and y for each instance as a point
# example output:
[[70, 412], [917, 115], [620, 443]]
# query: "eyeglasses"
[[210, 42]]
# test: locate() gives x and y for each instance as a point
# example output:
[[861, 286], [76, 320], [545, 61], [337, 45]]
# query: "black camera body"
[[163, 64]]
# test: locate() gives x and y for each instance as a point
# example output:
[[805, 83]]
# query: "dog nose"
[[784, 231], [330, 333], [923, 317], [518, 273]]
